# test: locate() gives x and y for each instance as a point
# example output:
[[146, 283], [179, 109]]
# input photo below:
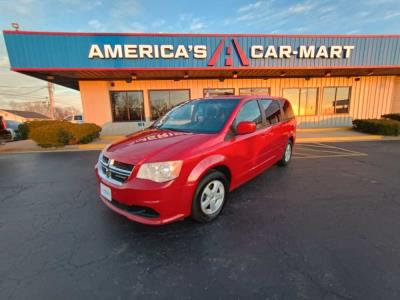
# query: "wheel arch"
[[216, 162], [224, 170]]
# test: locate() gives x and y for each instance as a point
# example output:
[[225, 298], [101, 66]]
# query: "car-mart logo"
[[228, 57], [226, 48]]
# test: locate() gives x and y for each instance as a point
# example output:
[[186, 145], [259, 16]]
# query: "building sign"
[[173, 51], [147, 51], [130, 51]]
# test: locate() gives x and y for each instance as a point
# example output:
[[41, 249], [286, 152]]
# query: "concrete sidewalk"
[[318, 135], [340, 134], [30, 146]]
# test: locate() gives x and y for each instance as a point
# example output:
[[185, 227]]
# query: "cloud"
[[197, 25], [327, 9], [250, 7], [301, 7], [391, 15], [354, 31], [187, 21], [97, 25], [158, 23], [184, 17], [134, 27], [18, 7], [125, 9], [380, 2], [270, 12], [315, 16], [81, 4], [363, 14]]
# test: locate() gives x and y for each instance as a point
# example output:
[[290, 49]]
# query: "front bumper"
[[166, 203]]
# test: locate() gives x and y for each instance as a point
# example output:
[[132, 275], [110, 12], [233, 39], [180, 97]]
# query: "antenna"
[[15, 25]]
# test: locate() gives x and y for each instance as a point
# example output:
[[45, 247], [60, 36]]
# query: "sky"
[[206, 16]]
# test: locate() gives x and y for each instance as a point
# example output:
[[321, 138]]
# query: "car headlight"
[[160, 171], [104, 150], [102, 154]]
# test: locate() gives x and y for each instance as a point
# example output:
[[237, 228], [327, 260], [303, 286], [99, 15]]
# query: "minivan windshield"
[[198, 116]]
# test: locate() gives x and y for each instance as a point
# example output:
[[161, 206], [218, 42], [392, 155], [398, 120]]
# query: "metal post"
[[50, 88]]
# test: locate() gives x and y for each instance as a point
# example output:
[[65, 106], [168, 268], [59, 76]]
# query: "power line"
[[28, 102], [27, 99], [20, 87], [22, 94]]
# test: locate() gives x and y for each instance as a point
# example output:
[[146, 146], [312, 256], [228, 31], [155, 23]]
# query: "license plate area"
[[105, 191]]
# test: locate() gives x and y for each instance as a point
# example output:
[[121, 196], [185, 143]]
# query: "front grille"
[[114, 171], [137, 210], [123, 166]]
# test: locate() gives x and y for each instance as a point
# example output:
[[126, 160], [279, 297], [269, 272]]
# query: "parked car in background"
[[74, 119], [4, 133], [12, 126], [186, 162], [8, 130]]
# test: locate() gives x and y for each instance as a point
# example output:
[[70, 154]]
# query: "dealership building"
[[127, 80]]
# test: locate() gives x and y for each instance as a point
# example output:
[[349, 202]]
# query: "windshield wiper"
[[172, 129]]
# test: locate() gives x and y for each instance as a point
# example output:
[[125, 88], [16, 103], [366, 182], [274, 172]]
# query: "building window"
[[303, 100], [254, 91], [127, 106], [163, 100], [218, 92], [272, 111], [336, 100]]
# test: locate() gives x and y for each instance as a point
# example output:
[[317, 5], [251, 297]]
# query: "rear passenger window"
[[287, 111], [250, 111], [272, 111]]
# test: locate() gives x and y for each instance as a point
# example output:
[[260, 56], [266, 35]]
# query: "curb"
[[111, 137], [366, 138], [92, 146], [330, 129]]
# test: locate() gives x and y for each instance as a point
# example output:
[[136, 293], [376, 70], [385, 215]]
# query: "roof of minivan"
[[231, 97]]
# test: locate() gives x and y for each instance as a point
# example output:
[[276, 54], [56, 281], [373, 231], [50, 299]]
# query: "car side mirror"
[[245, 127]]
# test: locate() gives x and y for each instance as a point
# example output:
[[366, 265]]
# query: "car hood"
[[155, 145]]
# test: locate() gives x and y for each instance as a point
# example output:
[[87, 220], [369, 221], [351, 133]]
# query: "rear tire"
[[287, 155], [210, 197]]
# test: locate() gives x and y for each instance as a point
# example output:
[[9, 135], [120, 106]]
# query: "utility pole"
[[50, 88]]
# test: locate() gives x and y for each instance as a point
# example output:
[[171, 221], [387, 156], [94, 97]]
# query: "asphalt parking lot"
[[326, 227]]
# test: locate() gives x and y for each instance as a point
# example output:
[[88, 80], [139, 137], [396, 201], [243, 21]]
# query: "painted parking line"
[[319, 150]]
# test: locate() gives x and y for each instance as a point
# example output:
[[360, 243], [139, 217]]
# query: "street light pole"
[[50, 88]]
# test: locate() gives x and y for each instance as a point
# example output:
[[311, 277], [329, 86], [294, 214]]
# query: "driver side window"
[[250, 112]]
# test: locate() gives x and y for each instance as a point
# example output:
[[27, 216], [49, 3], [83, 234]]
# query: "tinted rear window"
[[288, 111], [272, 111]]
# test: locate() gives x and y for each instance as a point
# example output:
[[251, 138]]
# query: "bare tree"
[[42, 107], [61, 112]]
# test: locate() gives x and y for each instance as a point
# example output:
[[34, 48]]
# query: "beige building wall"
[[371, 97], [396, 96]]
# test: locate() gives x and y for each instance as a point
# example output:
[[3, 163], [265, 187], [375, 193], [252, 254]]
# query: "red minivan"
[[187, 161]]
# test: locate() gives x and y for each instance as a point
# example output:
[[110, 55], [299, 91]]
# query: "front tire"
[[210, 197], [287, 155]]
